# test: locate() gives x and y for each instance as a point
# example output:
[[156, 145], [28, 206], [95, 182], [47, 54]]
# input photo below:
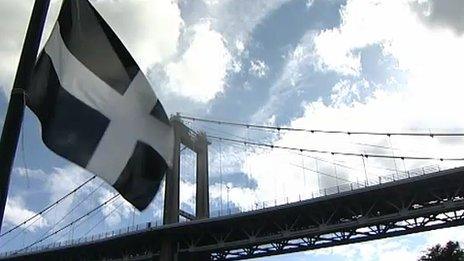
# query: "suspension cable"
[[322, 173], [59, 221], [48, 207], [68, 225], [220, 132], [104, 218], [333, 152], [280, 128], [74, 208]]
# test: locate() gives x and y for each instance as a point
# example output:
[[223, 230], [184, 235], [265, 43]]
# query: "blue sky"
[[329, 64]]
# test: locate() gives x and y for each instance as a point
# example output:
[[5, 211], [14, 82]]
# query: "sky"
[[366, 65]]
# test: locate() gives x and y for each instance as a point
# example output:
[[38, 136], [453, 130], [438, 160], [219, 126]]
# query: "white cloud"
[[428, 101], [115, 211], [149, 29], [59, 183], [363, 23], [211, 2], [9, 46], [345, 92], [16, 213], [409, 247], [297, 69], [243, 198], [431, 57], [201, 71], [442, 13], [14, 24], [442, 236], [309, 3], [30, 173], [383, 111], [338, 59], [418, 48], [213, 41], [236, 19], [240, 46], [379, 250], [63, 180], [258, 68]]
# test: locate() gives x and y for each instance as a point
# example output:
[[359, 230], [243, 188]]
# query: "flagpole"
[[15, 113]]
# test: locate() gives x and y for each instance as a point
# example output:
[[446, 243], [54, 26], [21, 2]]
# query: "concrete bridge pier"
[[198, 143]]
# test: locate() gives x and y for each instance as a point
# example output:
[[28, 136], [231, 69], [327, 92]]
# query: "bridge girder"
[[416, 204]]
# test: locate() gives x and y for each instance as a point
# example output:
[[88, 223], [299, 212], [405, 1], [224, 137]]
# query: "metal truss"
[[344, 236], [395, 208], [388, 211]]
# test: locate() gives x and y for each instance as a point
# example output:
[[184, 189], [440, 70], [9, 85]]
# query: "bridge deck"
[[417, 203]]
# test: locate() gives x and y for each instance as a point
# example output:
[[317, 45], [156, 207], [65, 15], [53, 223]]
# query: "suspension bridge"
[[341, 196]]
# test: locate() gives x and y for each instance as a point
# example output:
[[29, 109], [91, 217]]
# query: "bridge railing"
[[235, 210], [344, 187], [86, 239]]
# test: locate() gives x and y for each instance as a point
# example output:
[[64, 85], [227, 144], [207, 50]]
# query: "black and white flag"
[[97, 108]]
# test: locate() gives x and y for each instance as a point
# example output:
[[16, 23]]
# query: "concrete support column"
[[199, 144], [202, 193], [171, 198], [168, 251]]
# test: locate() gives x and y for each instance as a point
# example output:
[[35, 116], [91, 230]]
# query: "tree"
[[450, 252]]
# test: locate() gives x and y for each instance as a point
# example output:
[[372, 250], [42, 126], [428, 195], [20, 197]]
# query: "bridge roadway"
[[424, 200]]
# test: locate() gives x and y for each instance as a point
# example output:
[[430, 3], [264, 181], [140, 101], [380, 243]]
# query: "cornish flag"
[[97, 108]]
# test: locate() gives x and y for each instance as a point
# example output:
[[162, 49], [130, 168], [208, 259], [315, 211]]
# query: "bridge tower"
[[198, 143]]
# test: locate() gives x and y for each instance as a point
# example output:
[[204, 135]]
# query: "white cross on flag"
[[96, 107]]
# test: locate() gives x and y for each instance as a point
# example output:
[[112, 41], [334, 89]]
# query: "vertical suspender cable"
[[303, 169], [318, 175], [404, 166], [220, 172], [365, 170], [393, 154], [335, 170]]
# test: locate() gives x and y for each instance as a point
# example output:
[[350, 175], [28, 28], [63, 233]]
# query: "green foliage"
[[450, 252]]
